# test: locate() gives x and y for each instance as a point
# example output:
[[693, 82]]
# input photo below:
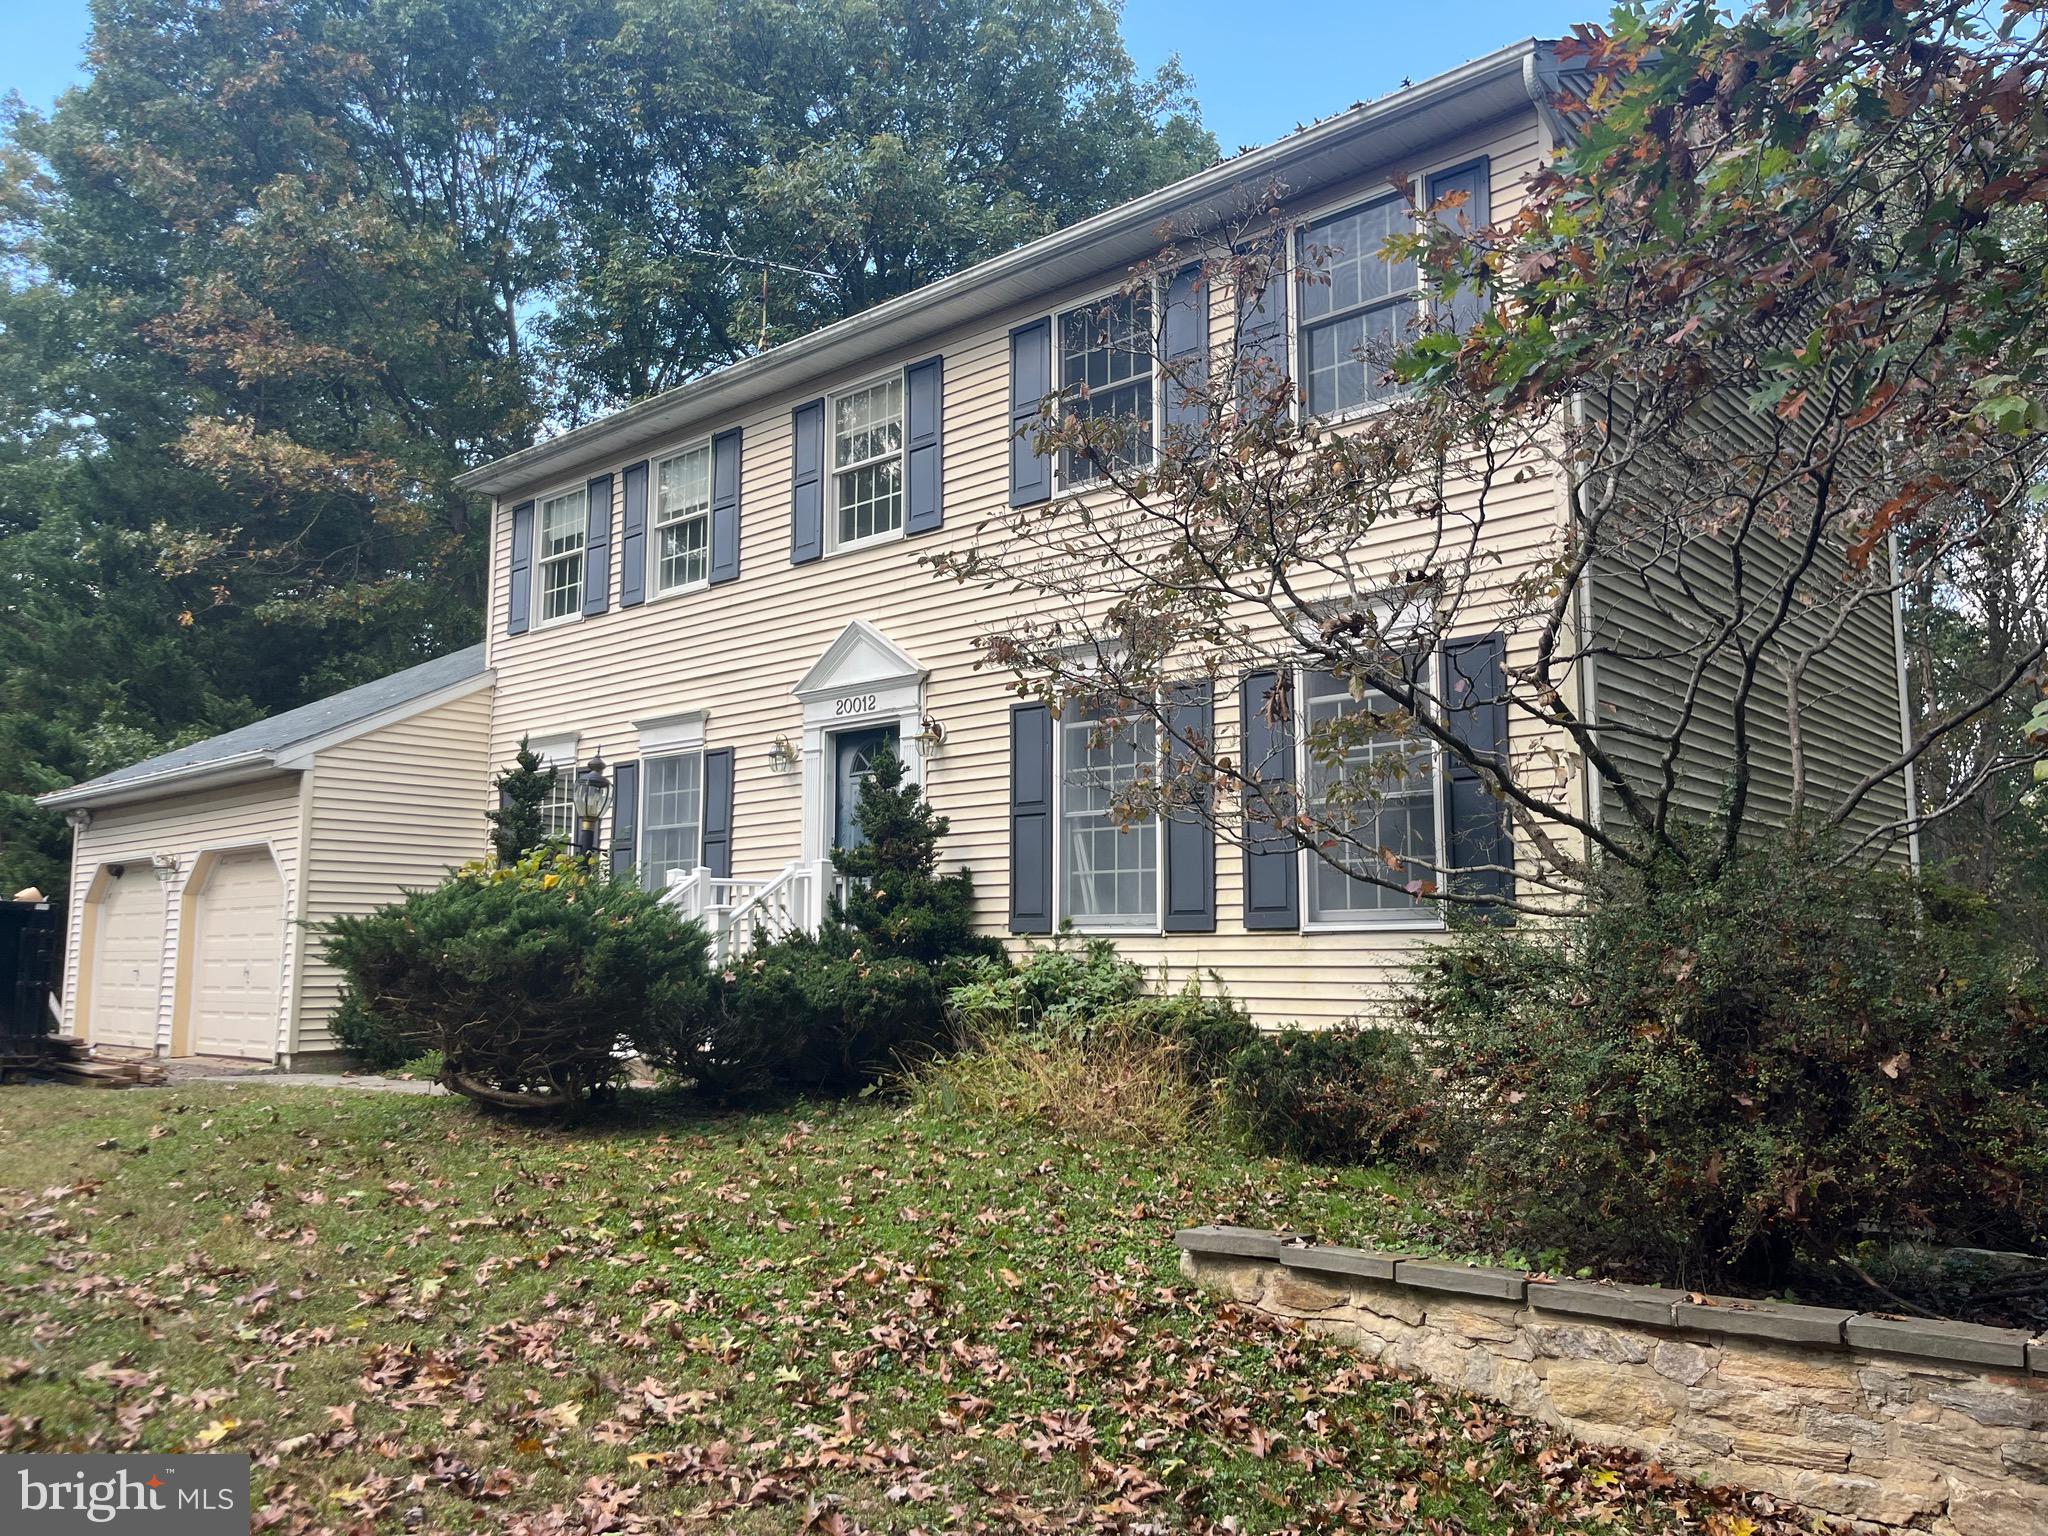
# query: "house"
[[718, 588], [195, 873]]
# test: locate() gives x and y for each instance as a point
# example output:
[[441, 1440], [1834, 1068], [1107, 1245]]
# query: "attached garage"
[[197, 874]]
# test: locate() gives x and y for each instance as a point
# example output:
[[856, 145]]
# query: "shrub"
[[1721, 1075], [373, 1040], [865, 996], [519, 825], [1061, 991], [528, 978], [1349, 1094], [1205, 1032], [1129, 1087], [814, 1014]]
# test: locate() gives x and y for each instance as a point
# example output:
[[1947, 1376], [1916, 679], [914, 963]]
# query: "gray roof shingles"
[[306, 723]]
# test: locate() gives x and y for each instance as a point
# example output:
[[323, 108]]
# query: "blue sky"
[[1258, 70]]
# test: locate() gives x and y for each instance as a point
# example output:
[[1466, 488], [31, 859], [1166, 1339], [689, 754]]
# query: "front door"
[[854, 756]]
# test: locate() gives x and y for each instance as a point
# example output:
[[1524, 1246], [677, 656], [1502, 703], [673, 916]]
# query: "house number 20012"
[[859, 704]]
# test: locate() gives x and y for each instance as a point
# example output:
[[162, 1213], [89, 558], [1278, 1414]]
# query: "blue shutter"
[[1476, 714], [625, 816], [1475, 213], [1262, 321], [597, 547], [519, 574], [716, 855], [633, 537], [1030, 383], [1272, 861], [1190, 837], [1031, 819], [807, 483], [1186, 348], [725, 507], [924, 392]]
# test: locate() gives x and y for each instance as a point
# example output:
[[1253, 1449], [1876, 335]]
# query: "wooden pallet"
[[105, 1074]]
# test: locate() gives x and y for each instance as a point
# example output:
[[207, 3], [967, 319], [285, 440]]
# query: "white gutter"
[[219, 770], [1509, 79]]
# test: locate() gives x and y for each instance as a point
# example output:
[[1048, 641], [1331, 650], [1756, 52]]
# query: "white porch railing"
[[738, 914]]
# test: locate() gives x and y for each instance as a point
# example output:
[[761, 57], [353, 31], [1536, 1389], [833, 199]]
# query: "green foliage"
[[527, 978], [1206, 1031], [372, 1039], [1060, 991], [1351, 1094], [863, 998], [897, 903], [276, 273], [1722, 1074], [813, 1015], [517, 825]]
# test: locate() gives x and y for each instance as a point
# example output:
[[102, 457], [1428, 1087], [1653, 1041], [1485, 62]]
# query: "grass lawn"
[[838, 1318]]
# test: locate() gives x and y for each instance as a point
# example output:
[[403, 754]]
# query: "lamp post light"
[[593, 794]]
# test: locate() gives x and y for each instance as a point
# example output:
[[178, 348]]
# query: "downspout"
[[1905, 706]]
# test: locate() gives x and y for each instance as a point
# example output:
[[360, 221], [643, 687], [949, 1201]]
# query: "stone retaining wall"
[[1886, 1422]]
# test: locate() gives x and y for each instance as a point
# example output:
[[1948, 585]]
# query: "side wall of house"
[[391, 810], [735, 651], [264, 812], [1654, 620]]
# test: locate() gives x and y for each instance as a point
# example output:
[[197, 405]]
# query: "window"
[[1111, 868], [563, 524], [1356, 309], [682, 520], [672, 818], [1382, 793], [558, 811], [1106, 374], [867, 463]]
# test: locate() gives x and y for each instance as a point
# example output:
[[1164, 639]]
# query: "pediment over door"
[[862, 657]]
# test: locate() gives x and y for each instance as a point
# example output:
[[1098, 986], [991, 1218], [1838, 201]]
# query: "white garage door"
[[127, 961], [238, 959]]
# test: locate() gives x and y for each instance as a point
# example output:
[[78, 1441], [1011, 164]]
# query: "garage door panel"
[[127, 962], [238, 959]]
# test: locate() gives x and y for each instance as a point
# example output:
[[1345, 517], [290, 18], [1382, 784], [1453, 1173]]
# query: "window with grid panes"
[[562, 526], [672, 816], [1381, 795], [1111, 868], [682, 519], [1106, 373], [867, 462], [1356, 309]]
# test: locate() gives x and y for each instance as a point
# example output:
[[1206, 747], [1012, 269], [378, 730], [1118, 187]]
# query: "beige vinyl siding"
[[263, 812], [387, 811], [734, 651]]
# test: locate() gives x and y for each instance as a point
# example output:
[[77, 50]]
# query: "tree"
[[518, 826], [1772, 322], [861, 149], [279, 271], [896, 902]]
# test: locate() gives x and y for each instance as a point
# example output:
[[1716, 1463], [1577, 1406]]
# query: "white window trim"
[[653, 587], [1061, 486], [1316, 213], [833, 544], [666, 735], [645, 793], [1426, 916], [557, 751], [540, 563], [1061, 916]]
